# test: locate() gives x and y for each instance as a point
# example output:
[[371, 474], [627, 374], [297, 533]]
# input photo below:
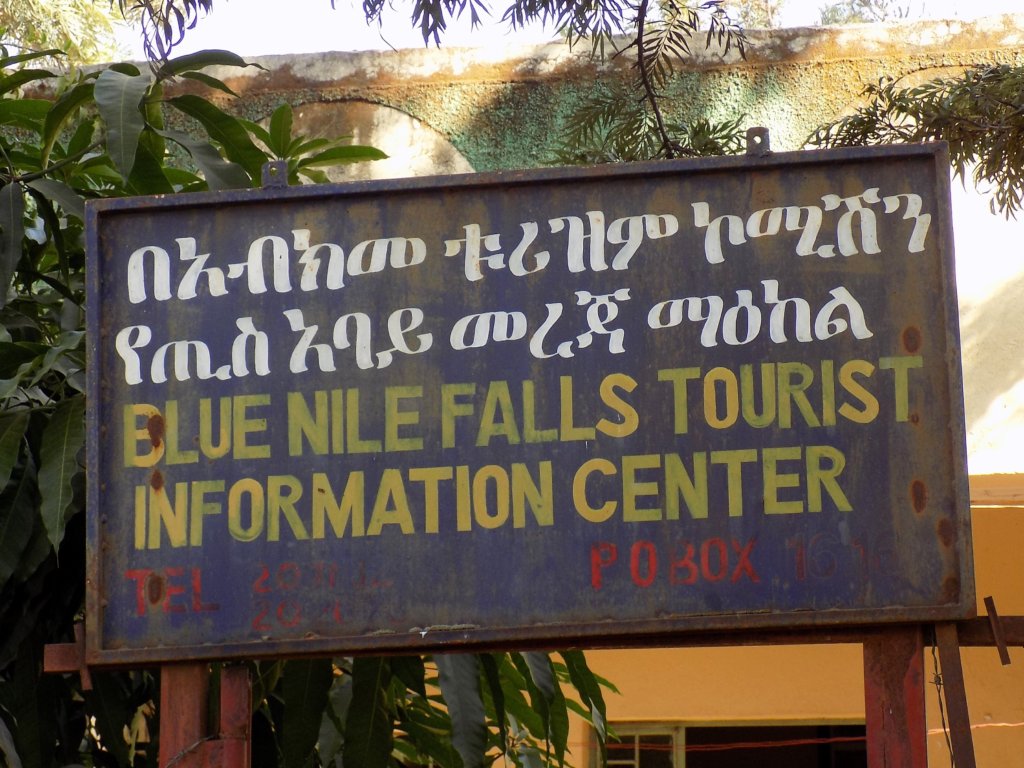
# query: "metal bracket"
[[68, 657], [997, 630], [275, 174], [758, 141]]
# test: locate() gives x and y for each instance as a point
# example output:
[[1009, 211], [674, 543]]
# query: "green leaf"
[[24, 113], [199, 60], [351, 153], [368, 727], [60, 193], [305, 689], [589, 688], [12, 212], [281, 130], [119, 97], [543, 675], [224, 129], [59, 113], [12, 430], [539, 703], [17, 515], [212, 82], [256, 130], [149, 175], [460, 685], [492, 674], [220, 173], [10, 61], [410, 670], [10, 754], [58, 464], [332, 725], [21, 77]]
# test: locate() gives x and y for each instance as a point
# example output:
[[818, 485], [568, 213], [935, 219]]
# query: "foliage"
[[756, 13], [979, 113], [609, 128], [865, 11], [83, 30]]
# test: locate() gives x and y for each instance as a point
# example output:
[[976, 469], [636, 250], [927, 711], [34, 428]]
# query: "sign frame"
[[595, 631]]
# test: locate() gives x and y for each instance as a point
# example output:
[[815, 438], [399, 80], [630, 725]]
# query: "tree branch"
[[650, 95]]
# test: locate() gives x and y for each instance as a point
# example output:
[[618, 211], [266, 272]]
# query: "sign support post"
[[185, 741], [894, 702]]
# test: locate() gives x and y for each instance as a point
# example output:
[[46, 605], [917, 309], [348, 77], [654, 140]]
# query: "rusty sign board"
[[589, 406]]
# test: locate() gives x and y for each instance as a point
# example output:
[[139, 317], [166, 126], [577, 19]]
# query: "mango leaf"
[[350, 153], [460, 686], [199, 60], [12, 211], [10, 754], [368, 727], [305, 689], [23, 113], [538, 701], [256, 130], [10, 61], [21, 77], [212, 82], [118, 97], [148, 175], [543, 675], [332, 726], [492, 674], [59, 113], [224, 129], [589, 689], [68, 341], [281, 130], [62, 439], [60, 193], [559, 726], [220, 173], [12, 430], [409, 669], [17, 515]]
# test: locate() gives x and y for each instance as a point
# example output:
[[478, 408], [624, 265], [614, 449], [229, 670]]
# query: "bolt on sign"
[[585, 406]]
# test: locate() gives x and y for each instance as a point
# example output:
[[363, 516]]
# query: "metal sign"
[[558, 406]]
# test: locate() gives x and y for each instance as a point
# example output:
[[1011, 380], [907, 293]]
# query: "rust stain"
[[919, 495], [156, 480], [156, 427], [912, 339], [155, 588], [915, 418], [946, 532], [951, 590]]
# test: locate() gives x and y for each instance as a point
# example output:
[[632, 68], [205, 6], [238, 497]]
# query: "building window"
[[727, 746]]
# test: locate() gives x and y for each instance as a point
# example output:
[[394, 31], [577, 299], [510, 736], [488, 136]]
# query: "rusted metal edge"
[[647, 169], [955, 693], [997, 630]]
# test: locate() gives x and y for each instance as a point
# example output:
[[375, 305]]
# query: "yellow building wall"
[[824, 683]]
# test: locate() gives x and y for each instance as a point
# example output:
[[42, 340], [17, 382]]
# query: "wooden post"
[[183, 711], [236, 716], [894, 702]]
